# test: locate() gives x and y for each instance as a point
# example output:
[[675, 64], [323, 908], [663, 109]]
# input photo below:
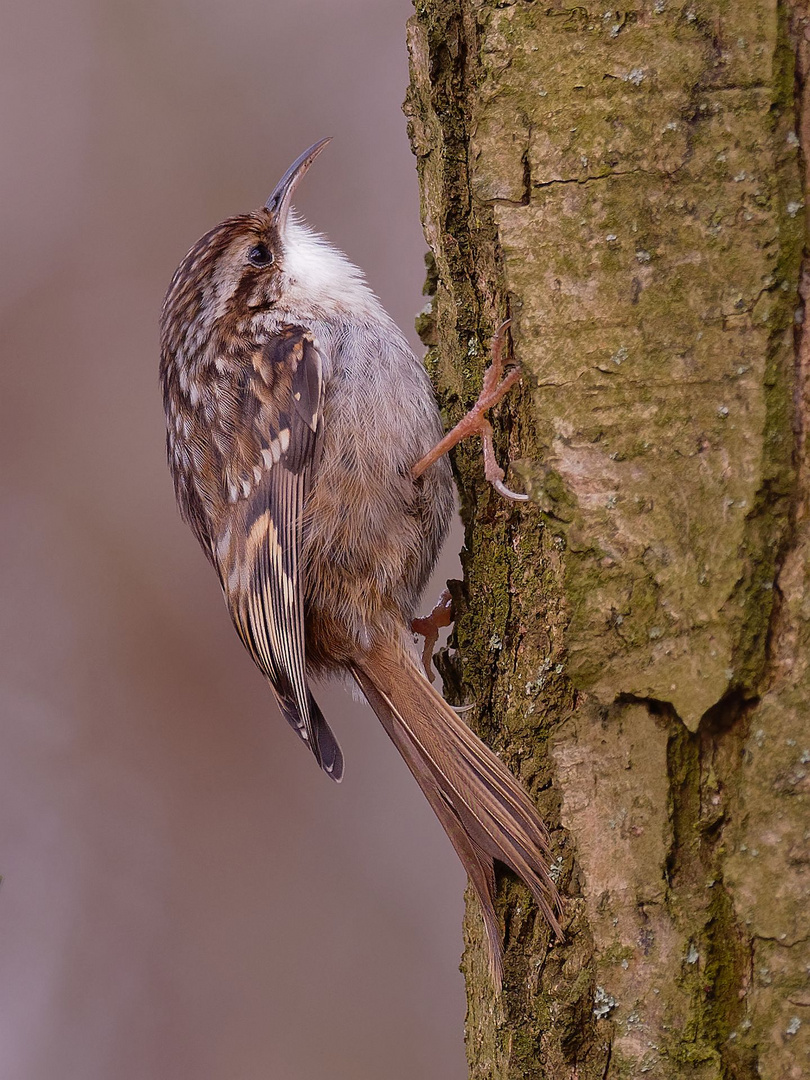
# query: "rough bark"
[[628, 186]]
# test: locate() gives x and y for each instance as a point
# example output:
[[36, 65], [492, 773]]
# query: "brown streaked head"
[[237, 267]]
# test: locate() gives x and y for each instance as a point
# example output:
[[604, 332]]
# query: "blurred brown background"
[[185, 895]]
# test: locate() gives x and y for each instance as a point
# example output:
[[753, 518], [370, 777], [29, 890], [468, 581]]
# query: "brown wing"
[[272, 444]]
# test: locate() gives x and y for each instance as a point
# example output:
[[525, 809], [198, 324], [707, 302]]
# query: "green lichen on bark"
[[626, 185]]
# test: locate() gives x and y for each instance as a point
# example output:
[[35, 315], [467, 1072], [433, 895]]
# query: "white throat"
[[321, 281]]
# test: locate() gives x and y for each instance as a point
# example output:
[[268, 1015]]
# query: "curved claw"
[[492, 470], [507, 492], [495, 386]]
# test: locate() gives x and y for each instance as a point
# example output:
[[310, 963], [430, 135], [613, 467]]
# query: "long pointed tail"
[[484, 811]]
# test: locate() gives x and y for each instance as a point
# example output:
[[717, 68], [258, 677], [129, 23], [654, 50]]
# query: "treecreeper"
[[300, 429]]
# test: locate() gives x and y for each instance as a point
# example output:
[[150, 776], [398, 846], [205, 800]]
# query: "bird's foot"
[[496, 385], [429, 626]]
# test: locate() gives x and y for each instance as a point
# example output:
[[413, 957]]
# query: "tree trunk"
[[628, 186]]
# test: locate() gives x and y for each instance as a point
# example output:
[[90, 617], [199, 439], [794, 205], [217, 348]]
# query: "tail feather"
[[475, 861], [484, 811]]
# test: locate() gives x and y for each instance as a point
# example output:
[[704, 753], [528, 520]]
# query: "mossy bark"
[[628, 186]]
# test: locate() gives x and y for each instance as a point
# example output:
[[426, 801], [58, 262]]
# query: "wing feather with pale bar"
[[274, 433]]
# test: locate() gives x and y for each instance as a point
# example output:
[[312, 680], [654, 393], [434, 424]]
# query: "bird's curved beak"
[[279, 202]]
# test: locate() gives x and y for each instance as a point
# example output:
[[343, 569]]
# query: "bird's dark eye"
[[260, 255]]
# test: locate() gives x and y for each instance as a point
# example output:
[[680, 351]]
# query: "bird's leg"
[[429, 626], [496, 385]]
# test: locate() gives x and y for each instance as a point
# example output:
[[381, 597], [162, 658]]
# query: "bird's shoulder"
[[253, 404]]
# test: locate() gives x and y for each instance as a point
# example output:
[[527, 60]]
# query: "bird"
[[295, 415]]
